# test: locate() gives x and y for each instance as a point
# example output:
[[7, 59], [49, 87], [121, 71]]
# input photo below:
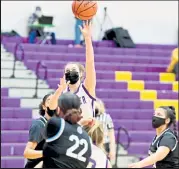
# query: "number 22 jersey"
[[69, 148]]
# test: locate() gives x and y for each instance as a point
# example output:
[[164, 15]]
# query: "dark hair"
[[41, 110], [38, 8], [171, 114], [69, 105]]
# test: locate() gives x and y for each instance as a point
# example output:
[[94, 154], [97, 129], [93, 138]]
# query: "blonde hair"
[[81, 68], [96, 133], [99, 104]]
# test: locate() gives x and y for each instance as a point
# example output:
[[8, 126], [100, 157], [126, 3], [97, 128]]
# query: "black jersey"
[[36, 134], [167, 139], [69, 148]]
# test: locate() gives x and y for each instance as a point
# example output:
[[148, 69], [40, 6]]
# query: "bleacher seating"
[[131, 82]]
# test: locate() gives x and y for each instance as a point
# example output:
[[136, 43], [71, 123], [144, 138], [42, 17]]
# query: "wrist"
[[141, 164], [87, 38]]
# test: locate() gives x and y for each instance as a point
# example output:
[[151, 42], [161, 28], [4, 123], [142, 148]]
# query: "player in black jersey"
[[163, 150], [33, 149], [67, 144]]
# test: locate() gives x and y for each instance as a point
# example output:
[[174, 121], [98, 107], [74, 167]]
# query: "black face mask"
[[72, 76], [157, 121], [51, 112]]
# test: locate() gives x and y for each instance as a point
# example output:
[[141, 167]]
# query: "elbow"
[[159, 157], [25, 153]]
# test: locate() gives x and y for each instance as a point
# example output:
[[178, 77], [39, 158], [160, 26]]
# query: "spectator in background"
[[37, 32], [108, 127], [78, 33], [173, 65]]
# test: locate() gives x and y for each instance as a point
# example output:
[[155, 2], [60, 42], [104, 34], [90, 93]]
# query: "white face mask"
[[38, 13]]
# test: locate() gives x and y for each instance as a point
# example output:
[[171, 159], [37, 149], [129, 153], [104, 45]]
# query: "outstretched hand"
[[86, 29], [63, 84]]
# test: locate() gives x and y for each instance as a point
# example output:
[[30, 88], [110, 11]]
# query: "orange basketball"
[[84, 10]]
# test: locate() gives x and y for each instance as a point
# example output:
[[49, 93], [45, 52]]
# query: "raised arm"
[[90, 81], [53, 103]]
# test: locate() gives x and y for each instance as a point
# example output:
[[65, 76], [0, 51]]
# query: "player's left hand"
[[135, 165], [86, 29]]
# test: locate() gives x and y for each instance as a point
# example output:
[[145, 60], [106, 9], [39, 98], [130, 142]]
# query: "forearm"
[[89, 50], [152, 159], [112, 141], [53, 103], [33, 154]]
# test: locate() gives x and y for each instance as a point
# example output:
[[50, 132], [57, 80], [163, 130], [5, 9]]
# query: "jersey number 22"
[[78, 142]]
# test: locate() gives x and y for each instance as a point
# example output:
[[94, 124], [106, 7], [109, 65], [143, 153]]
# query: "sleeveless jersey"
[[98, 158], [69, 148], [87, 101], [171, 160], [41, 122]]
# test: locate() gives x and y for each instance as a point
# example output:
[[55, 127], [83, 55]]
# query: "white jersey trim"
[[59, 133]]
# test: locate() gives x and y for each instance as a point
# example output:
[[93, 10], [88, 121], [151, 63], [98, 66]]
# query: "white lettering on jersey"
[[77, 143], [87, 101], [95, 161]]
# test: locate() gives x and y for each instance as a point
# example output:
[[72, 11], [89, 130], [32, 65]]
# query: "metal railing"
[[18, 46], [119, 142], [39, 63]]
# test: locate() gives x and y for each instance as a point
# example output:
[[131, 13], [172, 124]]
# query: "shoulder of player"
[[94, 147], [82, 87], [38, 123], [169, 134]]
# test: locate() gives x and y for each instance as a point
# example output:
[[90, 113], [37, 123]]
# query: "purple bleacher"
[[18, 124], [12, 149], [4, 91], [6, 39], [137, 136], [11, 102], [167, 95], [152, 46], [10, 136], [9, 112], [8, 162], [141, 148], [55, 73], [133, 124], [56, 57], [129, 114], [98, 50], [125, 107], [31, 64]]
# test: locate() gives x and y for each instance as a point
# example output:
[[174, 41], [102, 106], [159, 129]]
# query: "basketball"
[[84, 10]]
